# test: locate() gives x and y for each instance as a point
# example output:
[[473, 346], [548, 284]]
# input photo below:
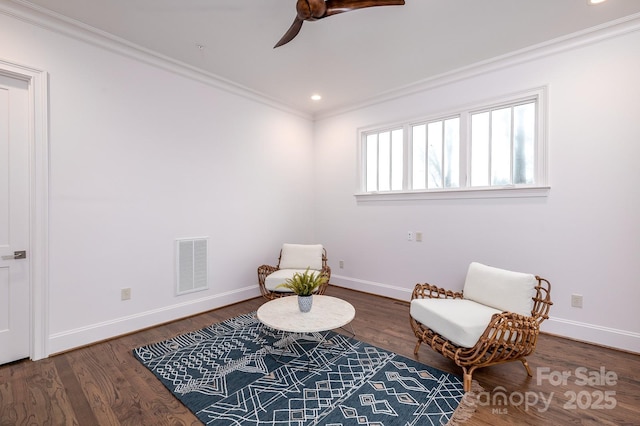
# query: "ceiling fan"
[[312, 10]]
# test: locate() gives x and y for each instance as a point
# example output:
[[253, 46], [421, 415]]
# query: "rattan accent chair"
[[495, 319], [293, 258]]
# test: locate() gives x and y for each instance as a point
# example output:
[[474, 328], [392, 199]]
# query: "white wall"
[[584, 236], [140, 156]]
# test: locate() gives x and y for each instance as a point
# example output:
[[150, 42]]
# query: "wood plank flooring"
[[104, 384]]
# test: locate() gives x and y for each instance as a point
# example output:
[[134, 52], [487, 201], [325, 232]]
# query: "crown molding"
[[593, 35], [44, 18], [49, 20]]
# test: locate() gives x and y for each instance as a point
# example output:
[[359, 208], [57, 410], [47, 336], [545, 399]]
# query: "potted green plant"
[[304, 285]]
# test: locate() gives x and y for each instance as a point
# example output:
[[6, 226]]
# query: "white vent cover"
[[191, 265]]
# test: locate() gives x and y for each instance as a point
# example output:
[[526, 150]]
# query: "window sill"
[[457, 193]]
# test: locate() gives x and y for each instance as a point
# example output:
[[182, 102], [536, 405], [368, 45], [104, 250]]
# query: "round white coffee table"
[[327, 313], [284, 315]]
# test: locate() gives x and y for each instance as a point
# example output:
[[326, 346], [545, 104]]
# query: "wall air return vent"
[[191, 265]]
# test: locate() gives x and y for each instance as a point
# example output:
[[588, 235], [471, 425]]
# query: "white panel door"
[[15, 305]]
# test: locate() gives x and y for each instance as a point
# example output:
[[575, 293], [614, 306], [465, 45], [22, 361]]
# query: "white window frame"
[[539, 188], [410, 162], [390, 130]]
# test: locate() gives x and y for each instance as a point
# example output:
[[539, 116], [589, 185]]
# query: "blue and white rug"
[[226, 374]]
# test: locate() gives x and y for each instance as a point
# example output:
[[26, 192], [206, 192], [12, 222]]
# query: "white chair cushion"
[[460, 321], [301, 256], [278, 277], [500, 289]]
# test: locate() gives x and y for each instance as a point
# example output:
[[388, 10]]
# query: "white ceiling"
[[348, 58]]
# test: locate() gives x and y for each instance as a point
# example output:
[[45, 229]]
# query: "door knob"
[[21, 254]]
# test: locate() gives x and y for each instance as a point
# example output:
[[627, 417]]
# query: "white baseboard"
[[590, 333], [70, 339], [372, 287], [60, 342]]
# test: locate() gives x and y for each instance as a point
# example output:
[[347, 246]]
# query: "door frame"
[[38, 139]]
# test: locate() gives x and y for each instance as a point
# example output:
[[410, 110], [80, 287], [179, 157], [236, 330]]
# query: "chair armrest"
[[511, 330], [513, 321], [263, 271], [325, 272], [542, 301], [508, 337], [267, 269], [423, 291]]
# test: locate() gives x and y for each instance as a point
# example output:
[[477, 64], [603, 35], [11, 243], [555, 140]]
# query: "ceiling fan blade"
[[311, 10], [340, 6], [293, 31]]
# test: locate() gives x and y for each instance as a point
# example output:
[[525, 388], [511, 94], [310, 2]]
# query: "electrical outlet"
[[576, 300], [125, 294], [341, 263]]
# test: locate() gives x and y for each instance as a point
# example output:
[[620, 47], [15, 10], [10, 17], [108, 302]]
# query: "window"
[[503, 145], [485, 148], [384, 160], [436, 154]]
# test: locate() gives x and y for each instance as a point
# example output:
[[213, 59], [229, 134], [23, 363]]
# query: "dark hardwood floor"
[[104, 384]]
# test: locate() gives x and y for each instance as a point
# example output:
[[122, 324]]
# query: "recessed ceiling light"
[[316, 97], [592, 2]]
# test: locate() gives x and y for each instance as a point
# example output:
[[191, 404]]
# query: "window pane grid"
[[482, 148], [524, 143], [503, 145], [419, 143], [384, 161], [372, 162], [451, 152], [435, 154], [500, 147], [397, 159]]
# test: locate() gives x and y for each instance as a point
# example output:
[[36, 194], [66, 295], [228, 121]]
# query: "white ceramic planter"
[[304, 303]]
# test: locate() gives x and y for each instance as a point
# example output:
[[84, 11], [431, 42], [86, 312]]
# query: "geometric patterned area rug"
[[240, 372]]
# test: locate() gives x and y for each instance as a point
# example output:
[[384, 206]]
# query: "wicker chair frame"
[[508, 337], [265, 270]]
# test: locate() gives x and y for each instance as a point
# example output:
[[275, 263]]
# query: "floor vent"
[[191, 265]]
